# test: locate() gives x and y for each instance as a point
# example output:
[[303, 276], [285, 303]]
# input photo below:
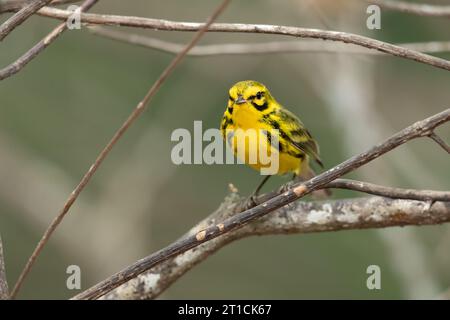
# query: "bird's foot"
[[286, 187], [249, 203]]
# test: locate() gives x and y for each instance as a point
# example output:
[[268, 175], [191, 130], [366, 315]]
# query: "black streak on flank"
[[274, 124], [230, 110], [226, 122], [280, 147], [268, 117], [297, 155], [296, 133], [284, 136]]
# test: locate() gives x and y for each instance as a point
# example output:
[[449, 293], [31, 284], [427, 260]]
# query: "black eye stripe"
[[230, 98], [258, 96]]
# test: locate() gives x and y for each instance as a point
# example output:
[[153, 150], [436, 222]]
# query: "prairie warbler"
[[251, 106]]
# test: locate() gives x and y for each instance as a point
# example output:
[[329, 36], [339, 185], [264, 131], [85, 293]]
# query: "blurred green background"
[[57, 114]]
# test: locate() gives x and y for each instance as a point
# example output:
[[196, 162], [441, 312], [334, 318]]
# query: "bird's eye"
[[259, 95]]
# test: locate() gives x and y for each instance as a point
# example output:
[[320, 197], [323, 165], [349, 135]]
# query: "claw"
[[284, 188], [249, 203]]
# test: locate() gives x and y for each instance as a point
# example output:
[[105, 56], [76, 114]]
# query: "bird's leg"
[[258, 188], [251, 201]]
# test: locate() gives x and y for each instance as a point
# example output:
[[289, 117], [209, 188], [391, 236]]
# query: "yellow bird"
[[251, 106]]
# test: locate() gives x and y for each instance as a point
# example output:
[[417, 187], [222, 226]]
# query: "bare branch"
[[19, 17], [4, 292], [418, 129], [119, 133], [154, 281], [16, 5], [309, 46], [439, 141], [159, 24], [20, 63], [414, 8], [299, 217]]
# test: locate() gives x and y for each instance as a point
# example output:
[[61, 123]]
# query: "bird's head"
[[250, 93]]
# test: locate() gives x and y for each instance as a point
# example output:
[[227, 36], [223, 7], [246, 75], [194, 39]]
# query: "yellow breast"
[[250, 143]]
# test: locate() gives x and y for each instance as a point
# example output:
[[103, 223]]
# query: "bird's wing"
[[293, 130]]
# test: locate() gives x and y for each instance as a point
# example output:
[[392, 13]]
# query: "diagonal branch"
[[299, 217], [21, 62], [4, 292], [360, 212], [416, 130], [22, 15], [159, 24], [309, 46], [117, 136]]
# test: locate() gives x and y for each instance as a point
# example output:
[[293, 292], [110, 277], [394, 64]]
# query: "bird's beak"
[[240, 100]]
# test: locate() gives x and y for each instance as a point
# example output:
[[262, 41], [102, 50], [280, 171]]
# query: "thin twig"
[[159, 24], [420, 9], [119, 133], [390, 192], [298, 218], [16, 5], [4, 292], [19, 17], [309, 46], [8, 71], [439, 141], [418, 129], [21, 62]]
